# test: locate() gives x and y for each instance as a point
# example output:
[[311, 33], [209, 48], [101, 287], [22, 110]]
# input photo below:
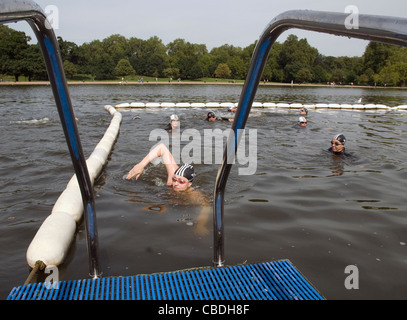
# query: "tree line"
[[116, 57]]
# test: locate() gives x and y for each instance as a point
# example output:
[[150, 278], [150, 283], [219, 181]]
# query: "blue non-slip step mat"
[[278, 280]]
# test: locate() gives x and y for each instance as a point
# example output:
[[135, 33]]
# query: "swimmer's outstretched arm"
[[203, 217], [158, 151]]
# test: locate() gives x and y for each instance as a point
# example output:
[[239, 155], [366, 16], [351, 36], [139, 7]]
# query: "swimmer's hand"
[[136, 171]]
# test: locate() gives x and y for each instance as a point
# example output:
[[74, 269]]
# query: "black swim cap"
[[340, 137], [186, 171]]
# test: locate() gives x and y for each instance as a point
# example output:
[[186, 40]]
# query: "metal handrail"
[[18, 10], [375, 28]]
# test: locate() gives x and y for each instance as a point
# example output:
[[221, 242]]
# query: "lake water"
[[302, 204]]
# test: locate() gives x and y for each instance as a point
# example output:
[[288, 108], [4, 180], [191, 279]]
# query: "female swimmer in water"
[[179, 178]]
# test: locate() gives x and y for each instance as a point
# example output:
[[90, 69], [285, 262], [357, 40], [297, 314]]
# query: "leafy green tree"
[[171, 73], [148, 57], [68, 50], [70, 69], [247, 54], [388, 76], [205, 62], [117, 47], [237, 67], [233, 57], [294, 55], [320, 75], [375, 56], [303, 75], [89, 57], [338, 75], [272, 70], [401, 67], [34, 67], [363, 79], [295, 59], [223, 71], [124, 68], [186, 56], [13, 50], [105, 67]]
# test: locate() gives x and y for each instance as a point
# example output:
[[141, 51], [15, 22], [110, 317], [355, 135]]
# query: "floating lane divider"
[[265, 105], [52, 240]]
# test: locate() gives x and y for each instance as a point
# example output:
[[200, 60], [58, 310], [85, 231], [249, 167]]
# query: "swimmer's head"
[[210, 116], [338, 144], [182, 179], [232, 108], [187, 171], [304, 111], [340, 137], [174, 121], [302, 121]]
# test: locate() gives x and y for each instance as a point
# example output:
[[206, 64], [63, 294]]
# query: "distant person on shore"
[[173, 125]]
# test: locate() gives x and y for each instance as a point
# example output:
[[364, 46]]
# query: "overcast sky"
[[210, 22]]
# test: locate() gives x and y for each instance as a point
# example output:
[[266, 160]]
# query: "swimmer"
[[302, 122], [232, 109], [210, 116], [173, 125], [303, 112], [338, 145], [179, 178]]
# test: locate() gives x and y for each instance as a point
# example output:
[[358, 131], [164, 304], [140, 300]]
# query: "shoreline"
[[47, 83]]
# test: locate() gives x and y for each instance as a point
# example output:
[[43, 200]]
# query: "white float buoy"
[[123, 105], [167, 105], [137, 105], [213, 105], [51, 242], [153, 105]]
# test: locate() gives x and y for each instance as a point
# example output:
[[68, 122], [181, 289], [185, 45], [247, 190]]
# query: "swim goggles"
[[179, 180]]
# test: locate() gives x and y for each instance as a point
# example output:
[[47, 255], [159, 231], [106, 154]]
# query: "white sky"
[[210, 22]]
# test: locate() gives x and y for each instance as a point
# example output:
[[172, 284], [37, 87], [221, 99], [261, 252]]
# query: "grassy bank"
[[139, 80]]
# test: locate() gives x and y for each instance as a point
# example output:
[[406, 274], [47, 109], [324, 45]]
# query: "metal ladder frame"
[[375, 28], [18, 10]]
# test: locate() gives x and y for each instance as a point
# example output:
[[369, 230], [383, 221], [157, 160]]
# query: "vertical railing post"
[[258, 61], [18, 10], [52, 57], [375, 28]]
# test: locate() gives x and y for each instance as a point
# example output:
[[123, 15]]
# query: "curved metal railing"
[[19, 10], [374, 28]]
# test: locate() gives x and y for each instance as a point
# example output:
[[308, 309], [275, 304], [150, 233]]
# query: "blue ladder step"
[[278, 280]]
